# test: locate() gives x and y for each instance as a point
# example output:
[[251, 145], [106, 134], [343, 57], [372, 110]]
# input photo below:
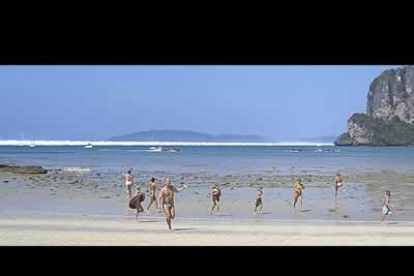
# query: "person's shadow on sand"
[[183, 229]]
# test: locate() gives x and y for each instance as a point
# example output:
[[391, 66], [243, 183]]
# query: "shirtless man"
[[152, 187], [166, 198], [259, 201], [298, 188], [129, 178], [215, 197], [338, 183]]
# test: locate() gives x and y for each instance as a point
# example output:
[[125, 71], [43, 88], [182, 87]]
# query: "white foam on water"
[[152, 143]]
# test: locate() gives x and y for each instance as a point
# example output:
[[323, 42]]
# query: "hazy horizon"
[[279, 103]]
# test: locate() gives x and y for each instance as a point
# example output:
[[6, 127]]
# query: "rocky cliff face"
[[390, 112], [392, 94]]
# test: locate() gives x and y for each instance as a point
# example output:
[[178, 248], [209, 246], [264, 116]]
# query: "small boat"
[[155, 149], [88, 146], [295, 150], [318, 150], [173, 150]]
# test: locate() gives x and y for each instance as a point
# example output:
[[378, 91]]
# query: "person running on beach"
[[152, 187], [166, 198], [298, 189], [259, 201], [135, 202], [215, 197], [386, 210], [338, 183], [129, 178]]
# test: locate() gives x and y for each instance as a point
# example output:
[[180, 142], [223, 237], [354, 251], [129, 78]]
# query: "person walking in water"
[[152, 187], [166, 198], [338, 183], [215, 197], [386, 209], [129, 178], [298, 191], [259, 201]]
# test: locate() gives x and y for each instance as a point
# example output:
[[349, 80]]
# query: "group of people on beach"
[[165, 201]]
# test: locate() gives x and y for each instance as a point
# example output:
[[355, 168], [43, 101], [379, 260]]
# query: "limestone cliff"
[[390, 112]]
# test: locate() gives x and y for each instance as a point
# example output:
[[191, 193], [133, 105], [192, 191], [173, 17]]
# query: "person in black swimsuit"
[[259, 201]]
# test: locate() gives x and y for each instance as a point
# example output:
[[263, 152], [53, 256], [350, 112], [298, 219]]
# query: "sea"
[[216, 159]]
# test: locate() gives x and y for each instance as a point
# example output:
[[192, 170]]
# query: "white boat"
[[88, 146], [155, 149], [318, 150]]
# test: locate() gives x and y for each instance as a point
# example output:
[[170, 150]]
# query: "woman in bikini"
[[298, 189], [152, 187], [215, 196], [129, 178]]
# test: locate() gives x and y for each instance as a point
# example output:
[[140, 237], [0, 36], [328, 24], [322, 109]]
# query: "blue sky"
[[97, 102]]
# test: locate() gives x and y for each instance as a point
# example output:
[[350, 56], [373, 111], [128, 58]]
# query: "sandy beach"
[[150, 231], [60, 208]]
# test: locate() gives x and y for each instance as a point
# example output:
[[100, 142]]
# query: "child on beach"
[[259, 201], [215, 197], [386, 210], [338, 183], [298, 190]]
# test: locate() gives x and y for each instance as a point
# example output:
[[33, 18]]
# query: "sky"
[[280, 103]]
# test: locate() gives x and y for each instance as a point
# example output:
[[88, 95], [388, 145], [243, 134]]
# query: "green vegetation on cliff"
[[378, 131]]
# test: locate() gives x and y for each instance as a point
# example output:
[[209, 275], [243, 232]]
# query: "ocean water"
[[219, 160]]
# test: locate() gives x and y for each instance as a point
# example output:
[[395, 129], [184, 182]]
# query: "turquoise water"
[[217, 159]]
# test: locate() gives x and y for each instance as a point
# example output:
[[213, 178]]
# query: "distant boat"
[[172, 150], [155, 149], [295, 150], [318, 150], [88, 146]]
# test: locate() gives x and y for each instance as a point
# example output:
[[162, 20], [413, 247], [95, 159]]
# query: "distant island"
[[389, 118], [185, 136]]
